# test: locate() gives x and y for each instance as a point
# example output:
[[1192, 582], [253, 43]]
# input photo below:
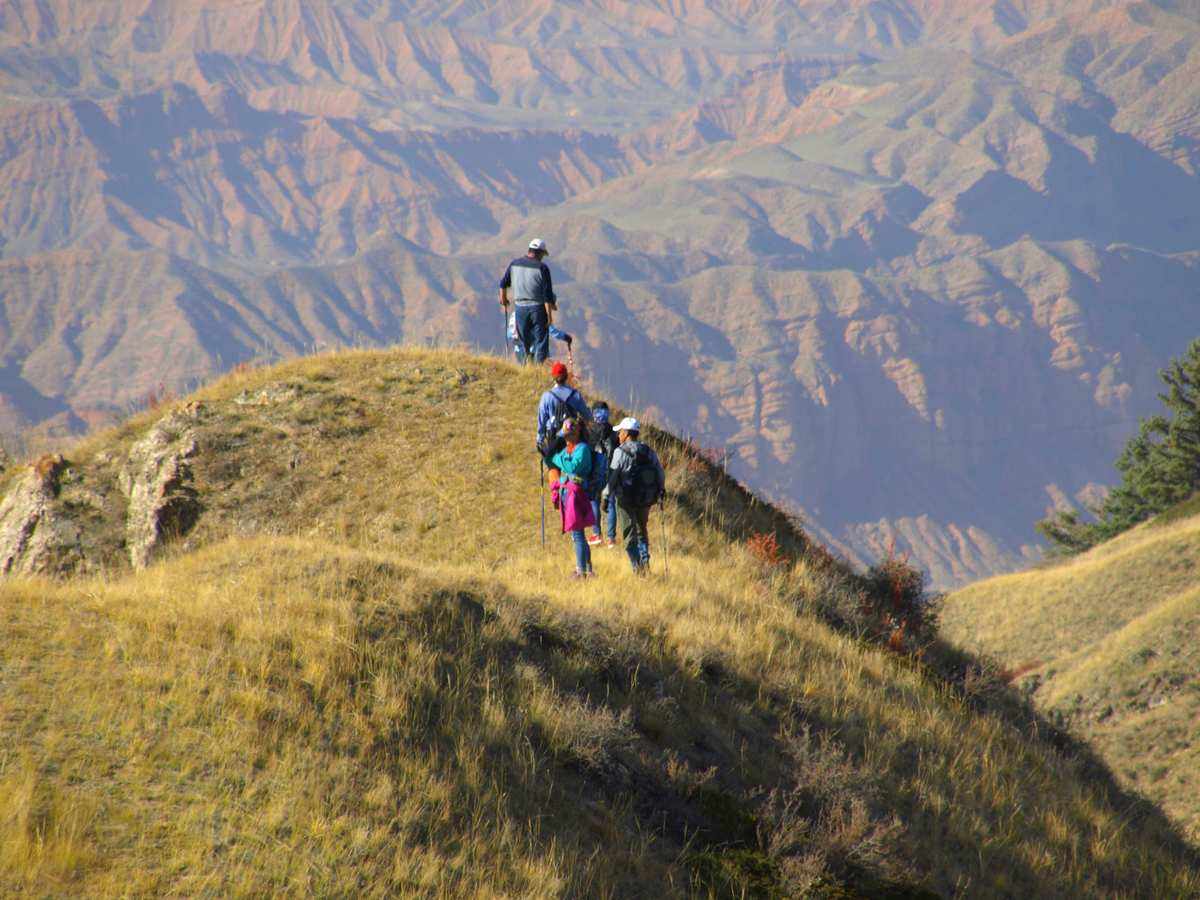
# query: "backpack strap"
[[565, 401]]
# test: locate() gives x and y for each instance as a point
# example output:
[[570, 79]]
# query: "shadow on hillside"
[[689, 766], [979, 683], [723, 503], [757, 765]]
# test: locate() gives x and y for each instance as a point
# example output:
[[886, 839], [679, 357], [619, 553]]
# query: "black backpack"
[[562, 412], [559, 415], [639, 483], [604, 439]]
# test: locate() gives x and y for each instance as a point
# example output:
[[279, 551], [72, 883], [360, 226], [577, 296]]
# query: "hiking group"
[[602, 476]]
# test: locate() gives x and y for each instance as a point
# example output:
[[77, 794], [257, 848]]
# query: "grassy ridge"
[[360, 674], [1107, 643]]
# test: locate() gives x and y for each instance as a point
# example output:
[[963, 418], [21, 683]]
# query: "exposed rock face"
[[157, 481], [34, 540]]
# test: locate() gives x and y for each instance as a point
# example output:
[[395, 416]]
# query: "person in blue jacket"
[[604, 445], [560, 403], [518, 349]]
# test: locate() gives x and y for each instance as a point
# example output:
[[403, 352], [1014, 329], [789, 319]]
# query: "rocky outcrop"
[[58, 518], [157, 480], [34, 538]]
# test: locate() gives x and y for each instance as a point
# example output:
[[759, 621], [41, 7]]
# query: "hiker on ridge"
[[518, 349], [534, 301], [604, 445], [560, 403], [574, 463], [636, 482]]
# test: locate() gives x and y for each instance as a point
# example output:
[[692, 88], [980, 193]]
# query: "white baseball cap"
[[539, 244], [629, 423]]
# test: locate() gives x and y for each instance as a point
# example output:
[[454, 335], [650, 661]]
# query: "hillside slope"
[[353, 669], [1108, 644]]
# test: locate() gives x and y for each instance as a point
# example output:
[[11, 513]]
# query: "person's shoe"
[[577, 574], [610, 544], [594, 540]]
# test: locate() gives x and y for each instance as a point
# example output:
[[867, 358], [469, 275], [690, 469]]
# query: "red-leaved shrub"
[[764, 547]]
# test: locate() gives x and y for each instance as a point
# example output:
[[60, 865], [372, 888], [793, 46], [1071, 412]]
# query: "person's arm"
[[505, 284], [551, 302], [548, 287], [577, 403], [616, 466], [543, 417]]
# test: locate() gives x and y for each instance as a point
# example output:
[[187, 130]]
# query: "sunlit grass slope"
[[361, 675], [1109, 642]]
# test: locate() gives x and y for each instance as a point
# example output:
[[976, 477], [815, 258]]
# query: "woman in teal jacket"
[[574, 463]]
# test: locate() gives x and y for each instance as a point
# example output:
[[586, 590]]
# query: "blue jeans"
[[601, 518], [533, 332], [583, 553]]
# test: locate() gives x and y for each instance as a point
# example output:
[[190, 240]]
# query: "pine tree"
[[1160, 466]]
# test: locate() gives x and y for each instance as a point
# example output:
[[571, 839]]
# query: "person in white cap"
[[528, 277], [636, 481]]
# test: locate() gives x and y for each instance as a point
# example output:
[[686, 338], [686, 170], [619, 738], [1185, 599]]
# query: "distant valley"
[[913, 265]]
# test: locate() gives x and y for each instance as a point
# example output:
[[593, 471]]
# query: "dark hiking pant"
[[533, 331], [634, 524]]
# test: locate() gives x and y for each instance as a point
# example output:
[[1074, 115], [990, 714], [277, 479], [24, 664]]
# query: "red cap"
[[558, 370]]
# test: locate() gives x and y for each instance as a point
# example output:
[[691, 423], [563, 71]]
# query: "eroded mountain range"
[[914, 263]]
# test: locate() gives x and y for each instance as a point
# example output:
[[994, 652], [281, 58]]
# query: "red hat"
[[558, 370]]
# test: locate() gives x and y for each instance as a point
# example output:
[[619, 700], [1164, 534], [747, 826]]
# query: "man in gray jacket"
[[636, 481], [528, 277]]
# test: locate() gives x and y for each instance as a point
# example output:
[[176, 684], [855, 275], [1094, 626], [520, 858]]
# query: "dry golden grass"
[[361, 675], [1109, 642]]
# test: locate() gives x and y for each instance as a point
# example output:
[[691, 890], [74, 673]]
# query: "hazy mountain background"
[[914, 262]]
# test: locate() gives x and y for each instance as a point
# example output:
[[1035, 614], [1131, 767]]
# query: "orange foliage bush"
[[765, 548]]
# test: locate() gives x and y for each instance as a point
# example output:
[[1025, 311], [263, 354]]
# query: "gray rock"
[[272, 394], [156, 479], [34, 538]]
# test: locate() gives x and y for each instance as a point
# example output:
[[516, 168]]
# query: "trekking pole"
[[662, 511], [508, 344], [542, 469]]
